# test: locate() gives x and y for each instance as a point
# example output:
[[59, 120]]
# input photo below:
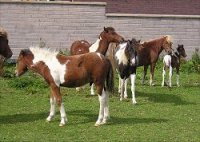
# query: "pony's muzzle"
[[133, 62]]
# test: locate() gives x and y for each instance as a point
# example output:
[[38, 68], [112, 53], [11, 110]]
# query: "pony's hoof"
[[121, 99], [62, 124], [99, 124], [134, 102]]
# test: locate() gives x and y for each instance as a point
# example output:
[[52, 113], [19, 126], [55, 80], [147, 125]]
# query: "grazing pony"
[[148, 54], [126, 63], [69, 71], [5, 51], [173, 61], [101, 45]]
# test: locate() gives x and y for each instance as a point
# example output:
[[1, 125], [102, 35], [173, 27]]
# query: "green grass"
[[162, 114]]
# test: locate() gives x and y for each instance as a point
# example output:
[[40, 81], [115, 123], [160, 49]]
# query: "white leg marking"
[[119, 86], [163, 77], [63, 115], [170, 76], [102, 101], [125, 89], [133, 77], [106, 108], [151, 81], [122, 89], [92, 89], [177, 80], [52, 109]]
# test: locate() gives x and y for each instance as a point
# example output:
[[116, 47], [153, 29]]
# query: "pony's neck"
[[103, 46]]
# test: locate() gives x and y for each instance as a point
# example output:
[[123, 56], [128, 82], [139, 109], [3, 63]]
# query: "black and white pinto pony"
[[125, 58], [173, 61], [69, 71]]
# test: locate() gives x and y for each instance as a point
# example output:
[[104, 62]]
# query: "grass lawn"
[[162, 113]]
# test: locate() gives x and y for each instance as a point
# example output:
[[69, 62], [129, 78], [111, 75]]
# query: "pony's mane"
[[110, 29], [3, 33], [169, 38], [43, 54]]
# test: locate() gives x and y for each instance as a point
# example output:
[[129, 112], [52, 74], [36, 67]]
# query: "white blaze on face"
[[120, 54], [57, 70], [94, 47]]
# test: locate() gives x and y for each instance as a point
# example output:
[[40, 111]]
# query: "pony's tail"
[[110, 78]]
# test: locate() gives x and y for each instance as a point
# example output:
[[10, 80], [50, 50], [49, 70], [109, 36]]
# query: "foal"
[[69, 71], [173, 61], [126, 62]]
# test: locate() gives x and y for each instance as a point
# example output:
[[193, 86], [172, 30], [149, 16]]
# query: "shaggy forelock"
[[3, 32]]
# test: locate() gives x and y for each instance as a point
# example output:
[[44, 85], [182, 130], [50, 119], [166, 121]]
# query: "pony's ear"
[[25, 52], [105, 29]]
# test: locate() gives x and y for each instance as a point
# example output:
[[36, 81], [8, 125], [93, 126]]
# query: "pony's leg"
[[144, 75], [133, 77], [102, 101], [177, 76], [125, 89], [119, 86], [52, 108], [122, 89], [152, 74], [92, 89], [56, 93], [170, 76], [163, 77], [106, 108]]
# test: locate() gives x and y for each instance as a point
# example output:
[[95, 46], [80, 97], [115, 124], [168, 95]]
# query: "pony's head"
[[25, 58], [110, 35], [181, 50], [167, 44], [4, 47]]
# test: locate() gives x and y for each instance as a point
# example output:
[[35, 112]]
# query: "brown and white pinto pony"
[[101, 45], [173, 61], [69, 71], [148, 54], [5, 51]]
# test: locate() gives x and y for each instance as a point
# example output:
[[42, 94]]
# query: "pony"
[[5, 51], [173, 61], [126, 63], [101, 45], [69, 71], [107, 36], [148, 54]]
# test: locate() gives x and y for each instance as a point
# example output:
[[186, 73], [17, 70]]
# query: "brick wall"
[[61, 23]]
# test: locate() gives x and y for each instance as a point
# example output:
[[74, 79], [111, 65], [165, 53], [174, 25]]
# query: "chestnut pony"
[[69, 71], [148, 54]]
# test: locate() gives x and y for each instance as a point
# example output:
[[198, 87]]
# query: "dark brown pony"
[[69, 71], [105, 38], [5, 51], [4, 47], [148, 54]]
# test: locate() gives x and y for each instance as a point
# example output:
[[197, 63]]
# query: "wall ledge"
[[152, 15], [53, 2]]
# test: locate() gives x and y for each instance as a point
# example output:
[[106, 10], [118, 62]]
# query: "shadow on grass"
[[22, 118], [89, 117], [164, 98]]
